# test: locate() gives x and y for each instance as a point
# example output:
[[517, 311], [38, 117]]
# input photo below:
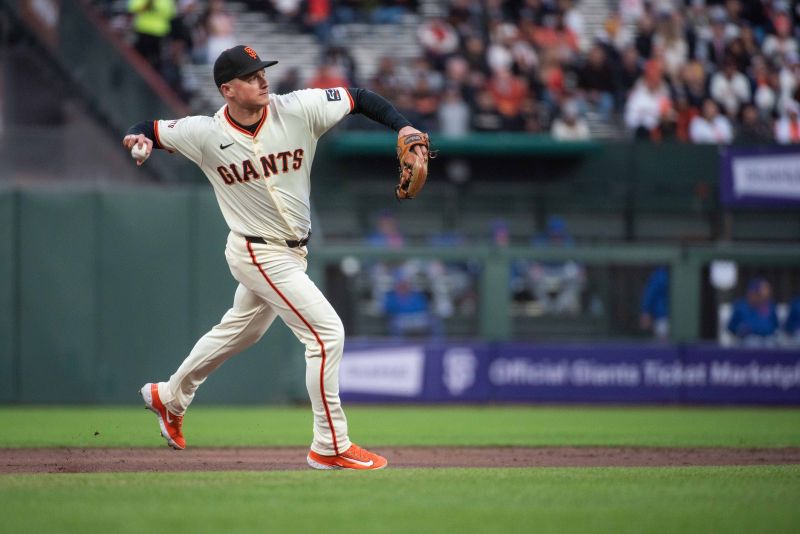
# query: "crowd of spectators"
[[417, 296], [702, 71], [168, 34], [753, 319], [719, 73]]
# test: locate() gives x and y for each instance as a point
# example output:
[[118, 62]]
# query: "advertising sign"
[[583, 373], [759, 177]]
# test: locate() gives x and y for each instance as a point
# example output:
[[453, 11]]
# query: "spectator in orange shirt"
[[327, 77], [685, 114], [552, 76], [555, 35], [508, 91], [318, 19]]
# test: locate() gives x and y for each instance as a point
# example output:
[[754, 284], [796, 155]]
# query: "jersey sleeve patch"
[[333, 95]]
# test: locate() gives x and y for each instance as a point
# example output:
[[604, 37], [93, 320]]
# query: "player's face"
[[251, 91]]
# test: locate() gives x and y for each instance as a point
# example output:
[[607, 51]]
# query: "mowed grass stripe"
[[405, 426], [619, 500]]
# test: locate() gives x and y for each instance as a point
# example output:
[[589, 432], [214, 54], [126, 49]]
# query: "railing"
[[120, 87], [473, 145], [685, 263]]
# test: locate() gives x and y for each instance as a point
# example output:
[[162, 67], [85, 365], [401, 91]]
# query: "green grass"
[[375, 426], [726, 500], [618, 500]]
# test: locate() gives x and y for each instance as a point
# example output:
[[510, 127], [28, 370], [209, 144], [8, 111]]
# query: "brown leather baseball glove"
[[413, 165]]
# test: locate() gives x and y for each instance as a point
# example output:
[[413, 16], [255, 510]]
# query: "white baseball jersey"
[[261, 180]]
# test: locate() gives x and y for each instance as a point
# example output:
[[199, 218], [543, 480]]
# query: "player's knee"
[[332, 336]]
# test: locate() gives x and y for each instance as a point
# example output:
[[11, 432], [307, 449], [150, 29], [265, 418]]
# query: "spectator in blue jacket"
[[792, 324], [407, 309], [654, 313], [755, 319]]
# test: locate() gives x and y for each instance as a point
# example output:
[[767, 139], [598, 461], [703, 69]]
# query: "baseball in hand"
[[139, 153]]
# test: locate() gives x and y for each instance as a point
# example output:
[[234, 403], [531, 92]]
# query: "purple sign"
[[749, 376], [385, 372], [460, 372], [760, 176], [583, 373], [603, 373], [396, 371]]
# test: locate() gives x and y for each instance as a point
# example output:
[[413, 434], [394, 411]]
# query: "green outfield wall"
[[103, 289], [8, 304]]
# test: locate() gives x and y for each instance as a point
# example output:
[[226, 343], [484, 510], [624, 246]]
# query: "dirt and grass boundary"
[[96, 460]]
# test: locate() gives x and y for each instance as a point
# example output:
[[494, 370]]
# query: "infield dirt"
[[96, 460]]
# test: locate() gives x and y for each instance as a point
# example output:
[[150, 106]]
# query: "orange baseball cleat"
[[353, 458], [170, 423]]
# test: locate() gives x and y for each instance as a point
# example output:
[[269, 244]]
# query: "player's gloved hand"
[[139, 140], [413, 152]]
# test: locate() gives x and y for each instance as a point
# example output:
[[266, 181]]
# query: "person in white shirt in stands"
[[453, 114], [787, 128], [648, 103], [730, 87], [570, 126], [711, 127], [782, 44]]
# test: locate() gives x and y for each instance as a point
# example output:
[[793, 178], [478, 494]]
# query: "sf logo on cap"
[[250, 52]]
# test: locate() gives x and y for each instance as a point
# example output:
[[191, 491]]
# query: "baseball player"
[[257, 152]]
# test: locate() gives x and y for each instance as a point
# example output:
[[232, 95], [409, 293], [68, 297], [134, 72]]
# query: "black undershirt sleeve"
[[148, 129], [377, 108]]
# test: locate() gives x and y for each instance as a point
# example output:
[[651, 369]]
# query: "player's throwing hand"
[[141, 142]]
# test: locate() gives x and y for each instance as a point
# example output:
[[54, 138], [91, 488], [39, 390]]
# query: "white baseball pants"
[[272, 283]]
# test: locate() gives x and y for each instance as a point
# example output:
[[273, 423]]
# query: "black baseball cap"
[[237, 61]]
